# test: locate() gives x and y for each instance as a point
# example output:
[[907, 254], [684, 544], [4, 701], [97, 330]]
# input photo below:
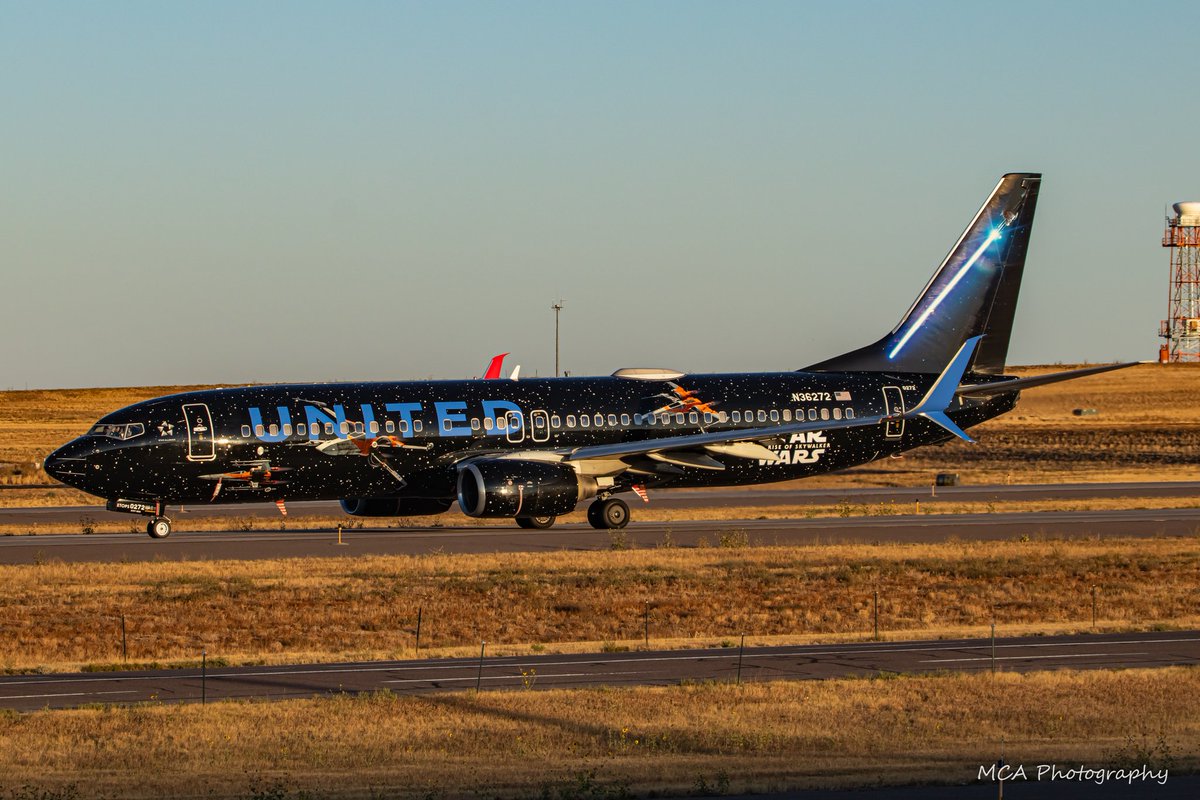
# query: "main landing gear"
[[159, 528], [608, 513]]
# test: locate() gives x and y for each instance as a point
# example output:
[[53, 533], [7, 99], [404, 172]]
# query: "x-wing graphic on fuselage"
[[532, 449]]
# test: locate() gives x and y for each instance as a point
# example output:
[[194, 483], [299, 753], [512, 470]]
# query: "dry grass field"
[[609, 743], [1146, 429], [56, 616]]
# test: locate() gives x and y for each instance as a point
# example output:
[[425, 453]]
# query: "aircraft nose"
[[67, 464]]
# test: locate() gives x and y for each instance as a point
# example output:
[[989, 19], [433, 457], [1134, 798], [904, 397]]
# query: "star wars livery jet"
[[532, 449]]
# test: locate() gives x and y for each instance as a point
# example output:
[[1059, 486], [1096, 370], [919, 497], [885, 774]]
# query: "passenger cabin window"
[[487, 423], [474, 423], [737, 416], [585, 421], [774, 415], [570, 420], [812, 413], [599, 420], [824, 413], [446, 425], [837, 413], [403, 425], [344, 427], [556, 422], [259, 431], [612, 420], [762, 415], [287, 429], [679, 419], [708, 418], [787, 415], [274, 429], [849, 413], [329, 428], [245, 431], [389, 426], [624, 419], [501, 423], [693, 418], [301, 428], [374, 426], [417, 425]]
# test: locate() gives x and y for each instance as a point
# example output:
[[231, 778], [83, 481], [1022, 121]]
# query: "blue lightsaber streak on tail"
[[991, 237]]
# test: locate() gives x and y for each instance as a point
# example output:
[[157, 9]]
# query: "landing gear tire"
[[610, 514], [159, 528], [536, 523]]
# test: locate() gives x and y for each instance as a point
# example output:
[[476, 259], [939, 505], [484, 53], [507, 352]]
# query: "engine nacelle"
[[509, 488], [394, 506]]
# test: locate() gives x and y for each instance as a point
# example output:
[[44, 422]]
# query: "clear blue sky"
[[232, 192]]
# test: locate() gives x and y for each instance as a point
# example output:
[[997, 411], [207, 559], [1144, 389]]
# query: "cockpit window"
[[121, 432]]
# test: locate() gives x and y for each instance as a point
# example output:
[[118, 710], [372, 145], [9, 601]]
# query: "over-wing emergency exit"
[[531, 450]]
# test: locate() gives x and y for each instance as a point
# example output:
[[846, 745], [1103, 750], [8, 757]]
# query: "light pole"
[[557, 307]]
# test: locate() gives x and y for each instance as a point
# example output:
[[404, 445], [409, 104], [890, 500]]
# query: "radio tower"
[[1181, 328]]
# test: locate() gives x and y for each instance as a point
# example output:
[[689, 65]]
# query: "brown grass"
[[606, 742], [58, 616]]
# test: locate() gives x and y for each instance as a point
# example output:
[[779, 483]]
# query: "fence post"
[[204, 676], [741, 650], [646, 623], [479, 677], [124, 642], [418, 647], [993, 648], [876, 605], [1093, 606]]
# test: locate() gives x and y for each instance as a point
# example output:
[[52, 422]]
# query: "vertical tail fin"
[[973, 293]]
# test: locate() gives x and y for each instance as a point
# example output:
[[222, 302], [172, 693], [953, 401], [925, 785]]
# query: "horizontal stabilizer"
[[935, 402], [1017, 384]]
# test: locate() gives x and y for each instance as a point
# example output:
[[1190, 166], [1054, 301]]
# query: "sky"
[[223, 193]]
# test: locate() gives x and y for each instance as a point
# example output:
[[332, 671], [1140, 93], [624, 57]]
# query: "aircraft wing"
[[932, 407], [696, 441]]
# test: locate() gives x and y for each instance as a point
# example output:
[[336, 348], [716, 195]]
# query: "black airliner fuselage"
[[532, 449]]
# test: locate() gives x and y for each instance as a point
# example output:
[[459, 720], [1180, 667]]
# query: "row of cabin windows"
[[584, 421]]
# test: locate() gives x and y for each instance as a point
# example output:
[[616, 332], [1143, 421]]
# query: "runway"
[[648, 668], [902, 497], [213, 545]]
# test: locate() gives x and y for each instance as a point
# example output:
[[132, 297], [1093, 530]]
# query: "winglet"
[[493, 369], [937, 400]]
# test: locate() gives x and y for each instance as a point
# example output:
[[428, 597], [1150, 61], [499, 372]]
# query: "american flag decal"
[[842, 396], [640, 491]]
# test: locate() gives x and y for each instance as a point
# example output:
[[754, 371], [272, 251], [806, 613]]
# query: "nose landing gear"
[[159, 528]]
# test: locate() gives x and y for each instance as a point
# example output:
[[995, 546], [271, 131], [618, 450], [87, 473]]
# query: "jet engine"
[[509, 488], [394, 506]]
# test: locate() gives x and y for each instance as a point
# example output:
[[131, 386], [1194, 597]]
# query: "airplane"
[[531, 450]]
